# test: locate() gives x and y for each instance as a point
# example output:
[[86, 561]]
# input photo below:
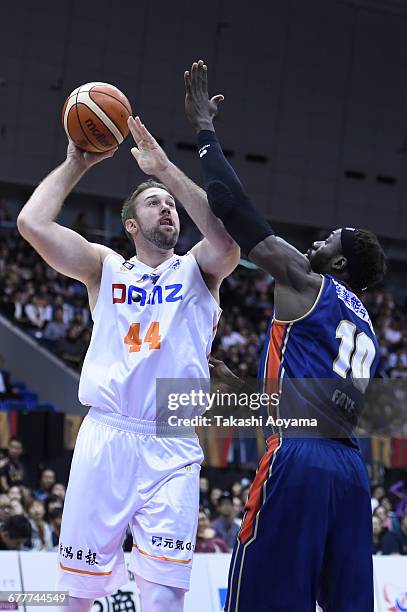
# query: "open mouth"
[[166, 221]]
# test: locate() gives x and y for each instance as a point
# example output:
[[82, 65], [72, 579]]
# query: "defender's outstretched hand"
[[148, 153], [199, 109]]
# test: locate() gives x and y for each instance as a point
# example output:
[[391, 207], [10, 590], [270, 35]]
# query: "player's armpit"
[[283, 261], [216, 262], [65, 250]]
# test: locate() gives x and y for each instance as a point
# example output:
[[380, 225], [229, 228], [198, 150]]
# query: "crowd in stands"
[[389, 519], [30, 516], [54, 311]]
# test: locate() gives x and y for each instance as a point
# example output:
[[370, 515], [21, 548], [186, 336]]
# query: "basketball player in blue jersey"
[[306, 534], [154, 316]]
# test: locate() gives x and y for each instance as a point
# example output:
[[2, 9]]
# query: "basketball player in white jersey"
[[154, 317]]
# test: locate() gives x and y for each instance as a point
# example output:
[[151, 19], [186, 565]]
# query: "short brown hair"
[[128, 209]]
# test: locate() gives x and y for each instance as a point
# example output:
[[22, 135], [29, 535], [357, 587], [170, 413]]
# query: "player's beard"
[[162, 238]]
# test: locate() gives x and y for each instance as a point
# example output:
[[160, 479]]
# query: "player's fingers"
[[205, 79], [146, 135], [187, 81], [134, 128], [200, 74], [218, 98], [194, 77], [135, 152]]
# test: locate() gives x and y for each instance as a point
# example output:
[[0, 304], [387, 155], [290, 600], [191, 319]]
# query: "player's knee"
[[160, 597]]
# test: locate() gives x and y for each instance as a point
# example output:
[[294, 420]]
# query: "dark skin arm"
[[297, 286]]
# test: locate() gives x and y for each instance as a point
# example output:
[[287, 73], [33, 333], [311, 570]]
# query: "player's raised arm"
[[227, 197], [63, 249], [217, 254]]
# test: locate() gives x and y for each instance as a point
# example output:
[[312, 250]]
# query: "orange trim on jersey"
[[254, 500], [78, 571], [146, 554], [277, 334]]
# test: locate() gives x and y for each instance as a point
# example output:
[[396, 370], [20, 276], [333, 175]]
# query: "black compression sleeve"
[[226, 195]]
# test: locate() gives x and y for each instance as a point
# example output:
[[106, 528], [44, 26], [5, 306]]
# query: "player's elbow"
[[266, 250], [27, 226], [229, 250], [23, 224]]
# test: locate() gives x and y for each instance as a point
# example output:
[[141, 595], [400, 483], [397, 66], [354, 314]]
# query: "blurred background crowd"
[[30, 513], [54, 311]]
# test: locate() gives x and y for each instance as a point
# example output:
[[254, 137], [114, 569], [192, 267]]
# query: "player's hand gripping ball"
[[95, 117]]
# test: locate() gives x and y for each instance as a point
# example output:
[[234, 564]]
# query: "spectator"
[[399, 489], [244, 495], [41, 532], [204, 492], [231, 337], [47, 481], [14, 492], [56, 329], [59, 489], [16, 507], [225, 525], [383, 517], [395, 542], [55, 517], [13, 471], [214, 496], [377, 536], [52, 502], [393, 333], [7, 390], [206, 540], [236, 489], [238, 508], [5, 508], [38, 312], [15, 533], [72, 347], [377, 493]]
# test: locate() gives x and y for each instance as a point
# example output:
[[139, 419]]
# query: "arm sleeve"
[[226, 195]]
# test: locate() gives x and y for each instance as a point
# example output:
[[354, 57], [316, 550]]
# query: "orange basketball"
[[95, 117]]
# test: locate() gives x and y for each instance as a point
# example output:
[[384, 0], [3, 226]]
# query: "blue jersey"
[[321, 363]]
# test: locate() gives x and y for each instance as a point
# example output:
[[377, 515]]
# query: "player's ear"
[[131, 225], [339, 263]]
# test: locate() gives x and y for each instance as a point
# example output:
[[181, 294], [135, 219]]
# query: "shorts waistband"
[[139, 426]]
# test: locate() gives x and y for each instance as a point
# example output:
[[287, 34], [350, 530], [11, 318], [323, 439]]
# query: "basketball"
[[95, 117]]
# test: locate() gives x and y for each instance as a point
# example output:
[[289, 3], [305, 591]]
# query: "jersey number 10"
[[363, 350]]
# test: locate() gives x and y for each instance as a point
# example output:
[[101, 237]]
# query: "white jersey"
[[148, 324]]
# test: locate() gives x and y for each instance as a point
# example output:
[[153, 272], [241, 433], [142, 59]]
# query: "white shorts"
[[121, 474]]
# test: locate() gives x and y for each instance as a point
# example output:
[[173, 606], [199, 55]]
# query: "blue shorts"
[[307, 532]]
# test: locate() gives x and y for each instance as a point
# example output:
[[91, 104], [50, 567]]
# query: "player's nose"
[[316, 245], [165, 207]]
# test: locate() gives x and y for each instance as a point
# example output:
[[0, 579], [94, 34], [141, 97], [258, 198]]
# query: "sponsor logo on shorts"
[[170, 543], [68, 552]]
